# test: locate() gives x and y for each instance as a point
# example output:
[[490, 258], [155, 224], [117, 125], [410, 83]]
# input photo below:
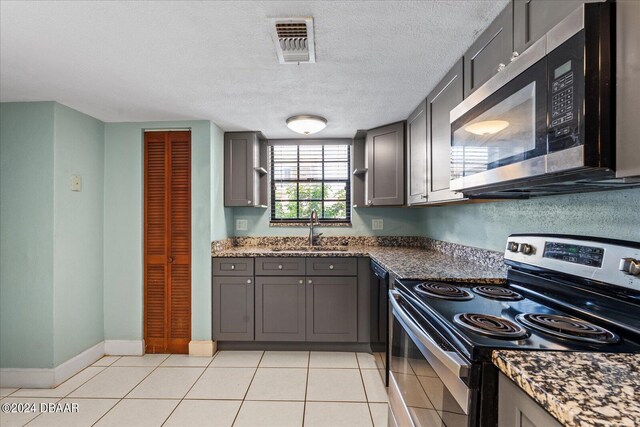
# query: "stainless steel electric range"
[[563, 293]]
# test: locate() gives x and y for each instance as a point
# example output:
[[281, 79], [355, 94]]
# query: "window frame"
[[298, 181]]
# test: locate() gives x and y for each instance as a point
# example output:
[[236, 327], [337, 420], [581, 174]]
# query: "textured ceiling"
[[139, 61]]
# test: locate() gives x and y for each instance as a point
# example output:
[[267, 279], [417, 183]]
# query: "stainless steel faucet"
[[313, 220]]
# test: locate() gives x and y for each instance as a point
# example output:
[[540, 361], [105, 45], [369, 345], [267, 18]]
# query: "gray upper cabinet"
[[444, 97], [384, 148], [332, 309], [280, 308], [245, 177], [533, 18], [490, 52], [233, 308], [417, 156]]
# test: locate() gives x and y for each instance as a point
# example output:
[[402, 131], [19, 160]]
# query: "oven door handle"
[[450, 359]]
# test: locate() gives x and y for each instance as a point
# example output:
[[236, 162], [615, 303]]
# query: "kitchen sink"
[[312, 249]]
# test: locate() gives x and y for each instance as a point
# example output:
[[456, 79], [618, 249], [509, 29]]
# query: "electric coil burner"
[[443, 291], [562, 293], [496, 292], [491, 326], [568, 327]]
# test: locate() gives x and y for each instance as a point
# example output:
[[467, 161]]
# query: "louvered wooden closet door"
[[167, 240]]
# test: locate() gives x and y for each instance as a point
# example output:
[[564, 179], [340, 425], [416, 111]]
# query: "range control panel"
[[613, 262], [578, 254]]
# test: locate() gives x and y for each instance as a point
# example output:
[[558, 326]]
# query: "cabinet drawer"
[[280, 266], [332, 267], [232, 267]]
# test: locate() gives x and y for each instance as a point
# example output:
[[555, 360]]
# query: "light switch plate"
[[76, 183], [377, 224], [241, 224]]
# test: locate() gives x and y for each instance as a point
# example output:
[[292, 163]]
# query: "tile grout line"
[[306, 390], [248, 388], [192, 385], [132, 388], [366, 396]]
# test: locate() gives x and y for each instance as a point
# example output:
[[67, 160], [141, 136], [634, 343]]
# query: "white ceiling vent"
[[294, 41]]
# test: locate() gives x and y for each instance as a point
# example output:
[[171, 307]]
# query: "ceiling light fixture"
[[306, 124], [487, 127]]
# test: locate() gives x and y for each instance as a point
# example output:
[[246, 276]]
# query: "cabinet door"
[[241, 156], [445, 96], [385, 165], [533, 18], [417, 155], [332, 309], [233, 308], [517, 409], [280, 307], [492, 48]]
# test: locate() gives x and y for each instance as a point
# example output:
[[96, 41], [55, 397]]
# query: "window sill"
[[306, 224]]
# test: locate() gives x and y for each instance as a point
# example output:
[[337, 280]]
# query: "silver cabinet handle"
[[311, 282], [514, 56], [233, 267], [280, 267], [248, 202], [370, 202], [331, 267], [249, 281], [301, 281], [501, 66]]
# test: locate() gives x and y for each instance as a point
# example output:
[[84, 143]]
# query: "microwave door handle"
[[450, 359]]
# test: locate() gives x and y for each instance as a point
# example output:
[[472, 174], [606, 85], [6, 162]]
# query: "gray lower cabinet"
[[332, 309], [384, 148], [517, 409], [233, 308], [445, 96], [280, 308], [490, 52], [417, 156]]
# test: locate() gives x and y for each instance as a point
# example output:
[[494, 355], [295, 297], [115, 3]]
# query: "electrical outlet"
[[377, 224], [76, 183], [241, 224]]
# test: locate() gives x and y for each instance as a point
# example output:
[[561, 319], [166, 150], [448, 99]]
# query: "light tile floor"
[[234, 388]]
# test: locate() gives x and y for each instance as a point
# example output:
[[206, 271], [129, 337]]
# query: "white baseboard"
[[49, 378], [124, 347], [202, 348]]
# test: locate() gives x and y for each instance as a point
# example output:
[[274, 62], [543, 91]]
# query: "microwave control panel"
[[565, 94]]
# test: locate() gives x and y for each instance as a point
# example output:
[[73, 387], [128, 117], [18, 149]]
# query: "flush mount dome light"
[[306, 124], [487, 127]]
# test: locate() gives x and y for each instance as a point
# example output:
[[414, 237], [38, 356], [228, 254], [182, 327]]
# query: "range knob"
[[630, 266], [525, 248], [513, 246]]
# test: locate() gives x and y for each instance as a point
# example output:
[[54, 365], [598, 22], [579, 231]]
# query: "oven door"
[[500, 133], [426, 386]]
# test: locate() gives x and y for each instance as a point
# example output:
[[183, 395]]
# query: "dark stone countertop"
[[404, 263], [578, 389]]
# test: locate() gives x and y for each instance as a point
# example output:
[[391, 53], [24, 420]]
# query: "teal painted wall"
[[397, 222], [611, 214], [26, 234], [78, 234], [123, 225]]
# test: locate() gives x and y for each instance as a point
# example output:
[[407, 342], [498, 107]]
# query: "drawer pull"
[[301, 281], [331, 267], [249, 281], [233, 267], [311, 282], [280, 267]]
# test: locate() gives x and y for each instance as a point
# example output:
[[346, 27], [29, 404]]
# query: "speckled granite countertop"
[[578, 389], [405, 263]]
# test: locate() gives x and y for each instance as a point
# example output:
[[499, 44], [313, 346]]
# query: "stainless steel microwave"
[[545, 124]]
